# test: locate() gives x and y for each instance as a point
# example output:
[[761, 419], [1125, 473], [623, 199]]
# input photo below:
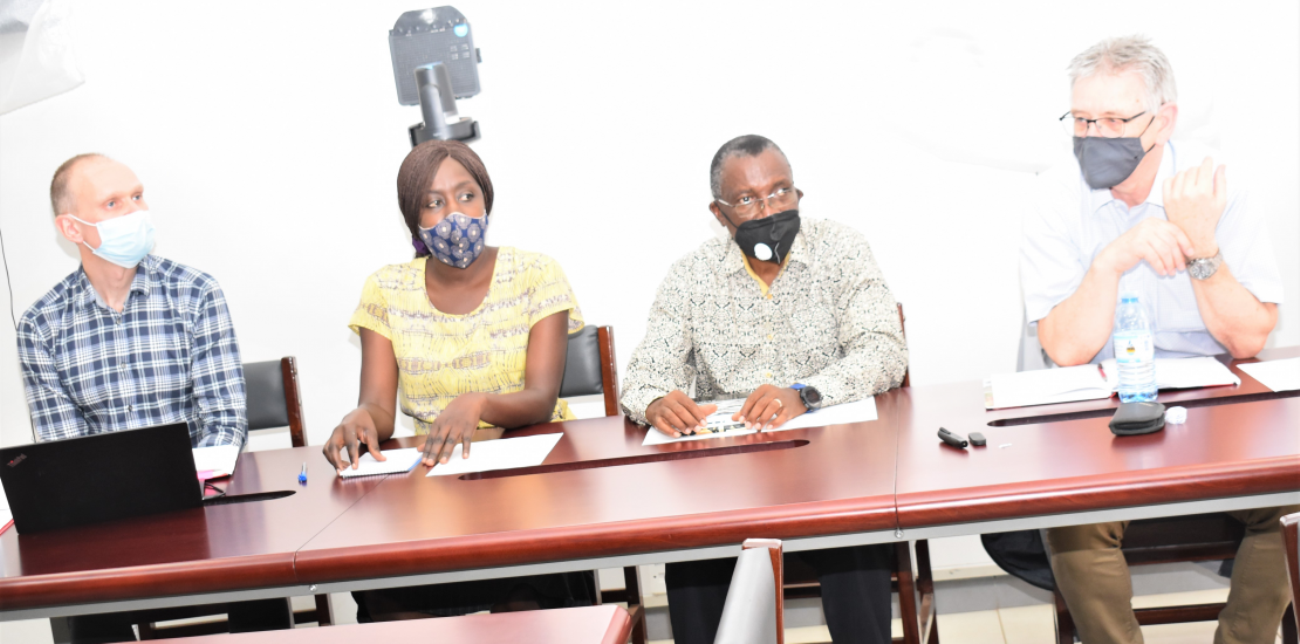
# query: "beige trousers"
[[1093, 577]]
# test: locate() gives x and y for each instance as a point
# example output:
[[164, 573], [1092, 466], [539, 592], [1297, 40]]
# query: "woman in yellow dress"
[[464, 336]]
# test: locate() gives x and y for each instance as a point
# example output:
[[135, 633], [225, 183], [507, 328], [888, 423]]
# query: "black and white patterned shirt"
[[828, 321], [170, 356]]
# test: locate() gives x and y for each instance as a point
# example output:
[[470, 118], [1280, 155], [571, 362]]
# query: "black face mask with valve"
[[768, 239]]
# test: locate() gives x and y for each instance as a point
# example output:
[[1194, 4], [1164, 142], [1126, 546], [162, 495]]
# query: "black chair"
[[1292, 541], [274, 401]]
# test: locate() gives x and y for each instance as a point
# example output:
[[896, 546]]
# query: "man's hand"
[[456, 424], [769, 407], [357, 428], [676, 414], [1194, 200], [1163, 245]]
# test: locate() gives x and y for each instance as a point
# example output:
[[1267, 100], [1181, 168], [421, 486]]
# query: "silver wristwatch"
[[1203, 268]]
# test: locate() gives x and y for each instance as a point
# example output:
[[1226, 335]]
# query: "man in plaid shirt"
[[128, 340]]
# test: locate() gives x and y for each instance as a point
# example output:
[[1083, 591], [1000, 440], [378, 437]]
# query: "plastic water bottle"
[[1134, 351]]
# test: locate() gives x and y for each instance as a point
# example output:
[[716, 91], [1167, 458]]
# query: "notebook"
[[1092, 382], [215, 462]]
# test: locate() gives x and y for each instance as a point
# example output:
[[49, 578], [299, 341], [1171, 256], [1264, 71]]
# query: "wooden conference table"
[[602, 500]]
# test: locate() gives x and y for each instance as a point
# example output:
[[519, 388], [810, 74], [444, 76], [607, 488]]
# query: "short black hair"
[[749, 145]]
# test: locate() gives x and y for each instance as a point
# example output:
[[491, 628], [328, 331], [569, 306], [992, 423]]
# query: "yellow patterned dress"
[[441, 355]]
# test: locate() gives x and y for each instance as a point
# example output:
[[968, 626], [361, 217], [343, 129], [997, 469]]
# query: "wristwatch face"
[[1205, 267], [812, 398]]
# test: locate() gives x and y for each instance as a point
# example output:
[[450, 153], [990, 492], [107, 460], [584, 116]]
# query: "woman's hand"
[[456, 424], [357, 428]]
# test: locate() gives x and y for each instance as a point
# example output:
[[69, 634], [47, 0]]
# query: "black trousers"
[[244, 617], [855, 593]]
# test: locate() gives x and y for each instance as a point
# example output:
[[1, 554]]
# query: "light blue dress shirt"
[[1069, 224]]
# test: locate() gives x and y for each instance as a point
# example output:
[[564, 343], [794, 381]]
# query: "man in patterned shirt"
[[789, 314], [131, 340]]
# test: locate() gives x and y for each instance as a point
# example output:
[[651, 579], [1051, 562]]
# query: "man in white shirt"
[[1143, 215]]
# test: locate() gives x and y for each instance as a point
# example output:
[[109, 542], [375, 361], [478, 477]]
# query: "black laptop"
[[97, 478]]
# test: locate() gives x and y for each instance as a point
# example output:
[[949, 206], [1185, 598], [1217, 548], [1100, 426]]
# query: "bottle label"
[[1134, 348]]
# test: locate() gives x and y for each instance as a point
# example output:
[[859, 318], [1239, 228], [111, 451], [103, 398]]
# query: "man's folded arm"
[[664, 360], [218, 374]]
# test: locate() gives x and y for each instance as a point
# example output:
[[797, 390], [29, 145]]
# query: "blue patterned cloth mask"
[[457, 240]]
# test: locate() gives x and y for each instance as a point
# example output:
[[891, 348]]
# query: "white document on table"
[[399, 460], [500, 454], [215, 462], [855, 412], [1278, 375], [1046, 386], [6, 517], [1181, 373]]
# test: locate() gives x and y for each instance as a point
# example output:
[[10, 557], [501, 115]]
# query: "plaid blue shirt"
[[169, 357]]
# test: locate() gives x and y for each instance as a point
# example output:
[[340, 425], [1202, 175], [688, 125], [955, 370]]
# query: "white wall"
[[268, 136]]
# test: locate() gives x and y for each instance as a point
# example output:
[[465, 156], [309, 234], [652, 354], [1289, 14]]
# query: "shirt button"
[[769, 336], [130, 407], [769, 375]]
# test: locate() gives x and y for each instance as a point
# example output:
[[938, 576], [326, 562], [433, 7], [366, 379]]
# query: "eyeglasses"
[[749, 206], [1106, 127]]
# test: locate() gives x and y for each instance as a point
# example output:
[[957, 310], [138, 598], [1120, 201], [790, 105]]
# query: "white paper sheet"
[[1278, 375], [1047, 386], [500, 454], [855, 412], [1181, 373], [215, 462], [5, 515], [399, 460]]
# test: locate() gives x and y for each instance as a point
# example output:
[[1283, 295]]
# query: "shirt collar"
[[146, 277], [1102, 197]]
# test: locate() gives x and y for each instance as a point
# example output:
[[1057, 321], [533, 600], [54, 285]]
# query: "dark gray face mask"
[[1106, 163]]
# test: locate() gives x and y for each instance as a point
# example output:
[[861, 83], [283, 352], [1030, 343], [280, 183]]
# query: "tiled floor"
[[1036, 625]]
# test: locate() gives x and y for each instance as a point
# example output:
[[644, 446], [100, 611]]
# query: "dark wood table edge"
[[147, 582], [1092, 493], [624, 538]]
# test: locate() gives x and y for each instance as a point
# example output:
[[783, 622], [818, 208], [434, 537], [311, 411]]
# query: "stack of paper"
[[1278, 375], [1181, 373], [398, 461], [215, 462], [500, 454], [855, 412], [1046, 386]]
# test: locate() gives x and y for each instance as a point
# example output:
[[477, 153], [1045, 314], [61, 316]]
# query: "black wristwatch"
[[812, 399]]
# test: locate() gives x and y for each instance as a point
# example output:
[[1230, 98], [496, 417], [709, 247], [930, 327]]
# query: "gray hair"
[[749, 145], [1126, 53]]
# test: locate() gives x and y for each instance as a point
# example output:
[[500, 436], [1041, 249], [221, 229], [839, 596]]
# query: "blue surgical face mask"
[[124, 240], [457, 240]]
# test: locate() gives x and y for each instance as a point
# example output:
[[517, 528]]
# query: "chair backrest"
[[755, 607], [273, 398], [1291, 537], [589, 367]]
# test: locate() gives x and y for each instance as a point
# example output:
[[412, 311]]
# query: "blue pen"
[[302, 476]]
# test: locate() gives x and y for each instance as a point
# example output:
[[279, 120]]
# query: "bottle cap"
[[1176, 415]]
